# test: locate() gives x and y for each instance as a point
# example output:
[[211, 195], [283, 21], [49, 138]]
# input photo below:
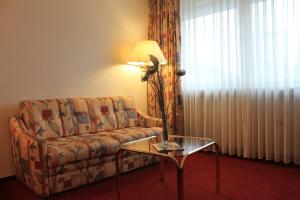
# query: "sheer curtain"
[[242, 86]]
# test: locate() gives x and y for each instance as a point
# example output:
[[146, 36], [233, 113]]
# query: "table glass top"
[[185, 145]]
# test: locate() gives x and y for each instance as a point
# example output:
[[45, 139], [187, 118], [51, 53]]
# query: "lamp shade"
[[139, 55]]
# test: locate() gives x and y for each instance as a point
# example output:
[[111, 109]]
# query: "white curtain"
[[242, 85]]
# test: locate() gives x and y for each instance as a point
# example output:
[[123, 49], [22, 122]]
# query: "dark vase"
[[164, 114], [165, 134]]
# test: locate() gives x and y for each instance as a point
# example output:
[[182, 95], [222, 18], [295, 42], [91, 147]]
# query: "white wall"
[[66, 48]]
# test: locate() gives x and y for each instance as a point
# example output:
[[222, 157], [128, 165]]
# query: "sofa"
[[60, 144]]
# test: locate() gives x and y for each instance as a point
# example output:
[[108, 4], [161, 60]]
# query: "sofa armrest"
[[148, 121], [29, 156]]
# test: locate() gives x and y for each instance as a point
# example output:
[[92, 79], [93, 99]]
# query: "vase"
[[165, 133]]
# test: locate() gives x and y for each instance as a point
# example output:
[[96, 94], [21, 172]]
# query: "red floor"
[[240, 179]]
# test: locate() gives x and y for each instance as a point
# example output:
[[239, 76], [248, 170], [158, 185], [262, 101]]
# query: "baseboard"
[[6, 178]]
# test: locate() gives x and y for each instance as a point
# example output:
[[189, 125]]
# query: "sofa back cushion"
[[125, 111], [42, 118], [74, 115], [102, 114]]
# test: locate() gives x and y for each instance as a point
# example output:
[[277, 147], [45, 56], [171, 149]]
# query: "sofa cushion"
[[102, 114], [42, 118], [75, 116], [133, 133], [63, 151], [125, 111]]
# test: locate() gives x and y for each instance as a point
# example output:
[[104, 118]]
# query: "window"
[[240, 44]]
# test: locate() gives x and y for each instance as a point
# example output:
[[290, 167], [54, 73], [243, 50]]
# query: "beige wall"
[[66, 48]]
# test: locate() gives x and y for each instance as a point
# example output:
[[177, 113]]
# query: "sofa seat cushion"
[[66, 150], [133, 133], [63, 151]]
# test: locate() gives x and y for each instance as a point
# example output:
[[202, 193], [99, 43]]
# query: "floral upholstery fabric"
[[29, 154], [87, 163], [147, 121], [102, 114], [64, 143], [81, 176], [125, 112], [62, 151], [75, 117], [42, 117], [133, 133]]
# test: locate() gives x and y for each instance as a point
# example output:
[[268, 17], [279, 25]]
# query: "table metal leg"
[[162, 168], [180, 188], [118, 173], [217, 168]]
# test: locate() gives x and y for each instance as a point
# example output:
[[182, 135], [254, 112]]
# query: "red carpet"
[[240, 179]]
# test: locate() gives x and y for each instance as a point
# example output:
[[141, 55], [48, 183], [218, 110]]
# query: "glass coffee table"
[[184, 145]]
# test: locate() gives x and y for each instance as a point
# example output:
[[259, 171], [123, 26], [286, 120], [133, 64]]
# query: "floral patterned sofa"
[[59, 144]]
